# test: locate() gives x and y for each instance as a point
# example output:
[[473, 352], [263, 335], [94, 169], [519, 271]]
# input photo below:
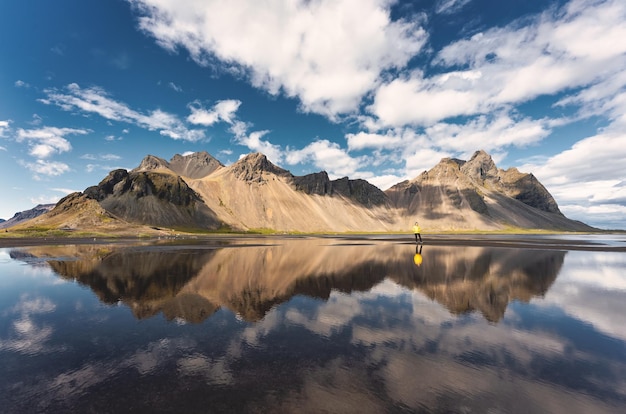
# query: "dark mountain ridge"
[[153, 199], [195, 165]]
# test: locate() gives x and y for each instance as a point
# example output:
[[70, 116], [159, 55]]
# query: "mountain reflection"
[[192, 283]]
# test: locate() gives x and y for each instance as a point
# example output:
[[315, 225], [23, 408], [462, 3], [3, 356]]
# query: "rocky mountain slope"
[[25, 215], [197, 191], [481, 195], [152, 198]]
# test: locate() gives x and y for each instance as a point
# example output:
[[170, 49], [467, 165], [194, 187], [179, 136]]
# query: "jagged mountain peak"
[[194, 165], [151, 162], [199, 157], [252, 166], [480, 167], [447, 168], [256, 159]]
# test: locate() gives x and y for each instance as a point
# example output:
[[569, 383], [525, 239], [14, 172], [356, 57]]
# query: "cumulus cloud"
[[103, 157], [588, 179], [328, 156], [224, 111], [255, 143], [44, 199], [96, 100], [4, 127], [47, 141], [555, 52], [326, 53], [363, 140], [44, 167], [488, 132]]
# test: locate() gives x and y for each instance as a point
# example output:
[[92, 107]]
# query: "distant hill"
[[196, 191], [25, 215]]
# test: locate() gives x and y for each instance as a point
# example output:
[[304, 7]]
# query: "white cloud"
[[415, 100], [104, 157], [89, 168], [175, 87], [385, 181], [591, 159], [47, 168], [255, 143], [450, 6], [65, 191], [2, 148], [364, 140], [4, 127], [44, 199], [327, 53], [37, 120], [328, 156], [423, 159], [577, 46], [252, 140], [46, 141], [183, 133], [28, 337], [222, 111], [21, 84], [490, 133], [96, 100], [587, 180]]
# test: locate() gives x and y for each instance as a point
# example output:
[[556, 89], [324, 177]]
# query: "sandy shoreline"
[[605, 243]]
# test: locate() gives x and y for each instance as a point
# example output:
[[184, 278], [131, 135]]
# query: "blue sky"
[[372, 89]]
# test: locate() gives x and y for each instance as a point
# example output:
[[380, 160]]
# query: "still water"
[[314, 325]]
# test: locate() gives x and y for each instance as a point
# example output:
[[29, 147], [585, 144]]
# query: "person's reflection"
[[417, 259]]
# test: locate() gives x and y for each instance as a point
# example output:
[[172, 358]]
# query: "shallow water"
[[313, 325]]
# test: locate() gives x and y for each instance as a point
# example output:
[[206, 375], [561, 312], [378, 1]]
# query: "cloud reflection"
[[351, 328], [27, 335]]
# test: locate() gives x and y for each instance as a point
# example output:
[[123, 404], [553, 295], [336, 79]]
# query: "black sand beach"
[[608, 242]]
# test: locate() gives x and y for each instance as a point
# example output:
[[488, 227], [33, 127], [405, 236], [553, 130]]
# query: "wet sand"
[[610, 242]]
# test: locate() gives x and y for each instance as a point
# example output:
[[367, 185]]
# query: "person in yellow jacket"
[[417, 230]]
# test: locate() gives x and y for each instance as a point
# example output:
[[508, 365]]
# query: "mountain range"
[[197, 191], [25, 215]]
